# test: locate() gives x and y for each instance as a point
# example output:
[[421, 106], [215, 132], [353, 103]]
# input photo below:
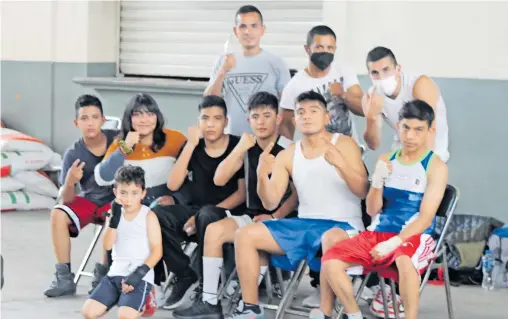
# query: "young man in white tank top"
[[330, 179], [391, 89], [134, 234]]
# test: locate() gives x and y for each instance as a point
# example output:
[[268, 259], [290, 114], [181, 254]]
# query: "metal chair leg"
[[293, 285], [447, 287], [88, 253], [280, 280], [223, 289], [269, 287], [383, 293], [394, 299]]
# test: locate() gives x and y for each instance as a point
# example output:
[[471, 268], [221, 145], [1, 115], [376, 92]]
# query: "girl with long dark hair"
[[144, 142]]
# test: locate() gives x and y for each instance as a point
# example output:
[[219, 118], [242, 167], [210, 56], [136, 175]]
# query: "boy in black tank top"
[[264, 121], [206, 147]]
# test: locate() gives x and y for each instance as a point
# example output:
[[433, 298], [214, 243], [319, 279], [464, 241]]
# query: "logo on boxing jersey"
[[417, 182], [243, 85]]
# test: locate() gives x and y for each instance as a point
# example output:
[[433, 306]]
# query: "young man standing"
[[264, 120], [330, 178], [238, 76], [391, 89], [134, 235], [207, 146], [77, 211], [407, 188], [337, 83]]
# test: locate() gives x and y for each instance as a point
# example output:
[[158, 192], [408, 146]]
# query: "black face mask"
[[322, 60]]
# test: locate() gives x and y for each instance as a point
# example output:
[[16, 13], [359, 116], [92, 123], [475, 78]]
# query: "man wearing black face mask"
[[337, 83]]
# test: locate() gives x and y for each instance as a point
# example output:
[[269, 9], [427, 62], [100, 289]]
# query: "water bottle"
[[487, 266]]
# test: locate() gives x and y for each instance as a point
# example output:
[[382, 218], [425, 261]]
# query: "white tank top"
[[393, 106], [322, 193], [131, 247]]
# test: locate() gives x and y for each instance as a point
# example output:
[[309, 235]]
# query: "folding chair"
[[234, 298], [446, 209]]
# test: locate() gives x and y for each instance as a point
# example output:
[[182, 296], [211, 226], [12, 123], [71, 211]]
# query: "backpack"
[[498, 245]]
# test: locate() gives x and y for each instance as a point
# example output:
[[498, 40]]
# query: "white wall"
[[442, 39], [59, 31]]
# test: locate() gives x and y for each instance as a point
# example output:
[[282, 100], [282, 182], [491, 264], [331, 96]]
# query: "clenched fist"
[[332, 154], [336, 89], [131, 139], [228, 63], [266, 161], [247, 141], [193, 136], [373, 103], [381, 172]]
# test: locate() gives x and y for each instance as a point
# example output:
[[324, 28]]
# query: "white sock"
[[211, 275], [356, 315], [262, 272]]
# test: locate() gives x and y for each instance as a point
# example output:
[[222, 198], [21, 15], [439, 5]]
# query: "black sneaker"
[[200, 310], [182, 290]]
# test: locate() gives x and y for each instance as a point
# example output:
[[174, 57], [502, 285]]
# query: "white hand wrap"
[[388, 246], [381, 172]]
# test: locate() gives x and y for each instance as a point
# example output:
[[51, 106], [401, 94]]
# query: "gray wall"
[[38, 97], [477, 110]]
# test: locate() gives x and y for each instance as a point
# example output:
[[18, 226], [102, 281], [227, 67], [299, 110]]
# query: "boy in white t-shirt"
[[134, 234], [336, 82]]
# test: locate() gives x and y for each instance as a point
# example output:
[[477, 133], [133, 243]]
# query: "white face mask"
[[386, 86]]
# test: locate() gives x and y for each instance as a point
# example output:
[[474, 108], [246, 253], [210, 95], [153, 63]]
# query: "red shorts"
[[356, 250], [83, 212]]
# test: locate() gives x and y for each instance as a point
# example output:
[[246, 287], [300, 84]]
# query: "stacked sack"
[[23, 183]]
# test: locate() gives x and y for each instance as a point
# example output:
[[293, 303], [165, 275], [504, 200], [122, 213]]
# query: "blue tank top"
[[402, 195]]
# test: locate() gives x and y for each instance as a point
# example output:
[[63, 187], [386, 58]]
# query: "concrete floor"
[[29, 265]]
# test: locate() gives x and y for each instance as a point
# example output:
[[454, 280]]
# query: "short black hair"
[[130, 174], [263, 99], [319, 30], [142, 102], [88, 100], [312, 96], [248, 9], [213, 100], [378, 53], [418, 110]]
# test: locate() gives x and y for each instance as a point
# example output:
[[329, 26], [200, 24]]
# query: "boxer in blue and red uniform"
[[407, 188]]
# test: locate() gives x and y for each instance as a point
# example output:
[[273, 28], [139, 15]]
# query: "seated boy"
[[407, 188], [134, 235], [264, 120], [77, 211], [330, 179], [207, 146]]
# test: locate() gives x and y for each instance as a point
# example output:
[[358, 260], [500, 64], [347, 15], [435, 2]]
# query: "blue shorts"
[[300, 238], [109, 293]]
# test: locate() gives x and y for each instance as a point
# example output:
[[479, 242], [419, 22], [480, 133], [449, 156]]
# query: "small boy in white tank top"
[[134, 234]]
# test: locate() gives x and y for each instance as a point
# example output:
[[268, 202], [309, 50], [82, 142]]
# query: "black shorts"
[[109, 293]]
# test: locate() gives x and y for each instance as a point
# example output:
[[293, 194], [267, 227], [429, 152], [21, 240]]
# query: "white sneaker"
[[377, 309], [313, 300]]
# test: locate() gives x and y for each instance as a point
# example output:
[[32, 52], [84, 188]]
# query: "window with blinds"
[[184, 38]]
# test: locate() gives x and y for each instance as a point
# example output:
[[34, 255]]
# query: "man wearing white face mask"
[[391, 89]]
